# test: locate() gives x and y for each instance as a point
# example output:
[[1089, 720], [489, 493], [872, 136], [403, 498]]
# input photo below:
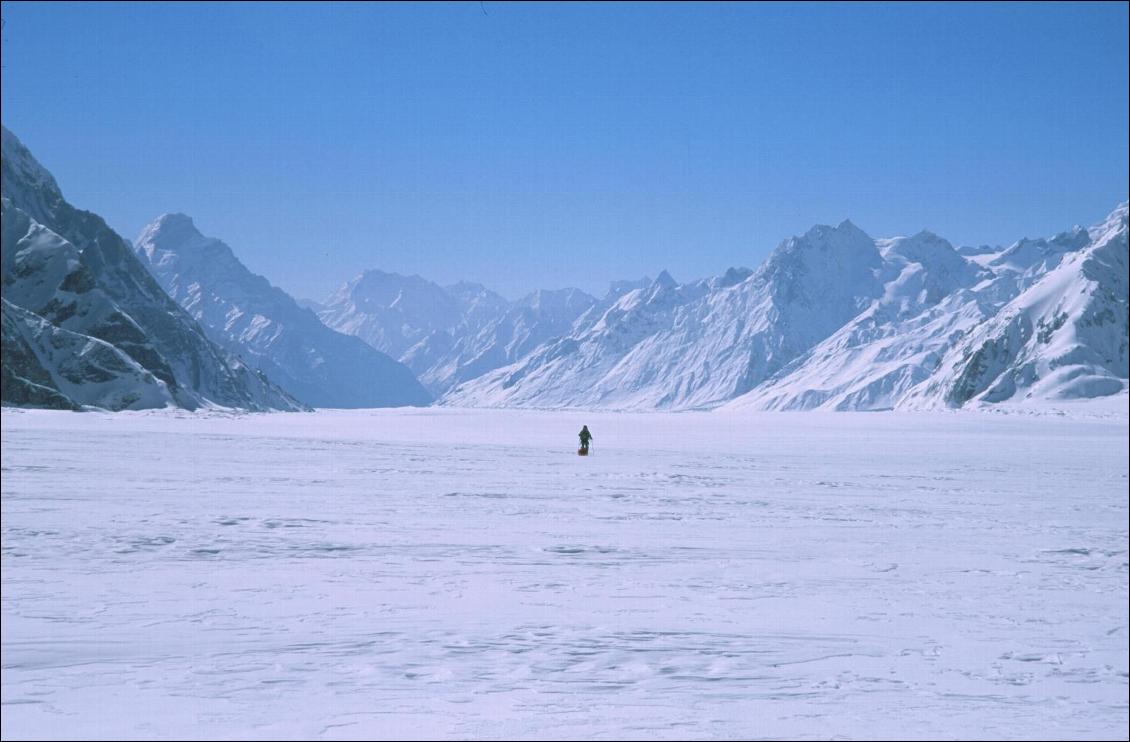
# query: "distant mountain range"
[[833, 319], [245, 314], [837, 320], [1042, 319], [449, 335]]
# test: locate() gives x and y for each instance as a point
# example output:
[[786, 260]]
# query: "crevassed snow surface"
[[452, 573]]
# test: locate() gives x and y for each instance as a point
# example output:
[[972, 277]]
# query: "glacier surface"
[[445, 573]]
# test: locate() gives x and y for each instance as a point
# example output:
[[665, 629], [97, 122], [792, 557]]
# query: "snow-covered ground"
[[459, 573]]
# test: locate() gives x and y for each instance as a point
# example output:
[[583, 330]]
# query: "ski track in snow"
[[459, 573]]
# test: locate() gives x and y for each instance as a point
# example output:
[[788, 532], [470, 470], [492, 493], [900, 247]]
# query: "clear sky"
[[546, 145]]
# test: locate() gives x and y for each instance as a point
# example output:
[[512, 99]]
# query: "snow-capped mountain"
[[833, 319], [47, 366], [671, 346], [450, 334], [85, 323], [837, 320], [523, 326], [1041, 318], [391, 312], [1063, 336], [243, 312], [895, 343]]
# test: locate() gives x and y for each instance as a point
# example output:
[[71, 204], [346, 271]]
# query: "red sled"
[[582, 452]]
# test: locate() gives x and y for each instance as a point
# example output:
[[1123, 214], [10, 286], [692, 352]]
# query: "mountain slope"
[[76, 274], [448, 334], [444, 361], [873, 360], [1042, 318], [391, 312], [244, 313], [671, 346], [837, 320], [47, 366], [1063, 337]]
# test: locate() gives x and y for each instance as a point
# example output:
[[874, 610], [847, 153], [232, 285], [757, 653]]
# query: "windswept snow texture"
[[441, 573], [263, 324]]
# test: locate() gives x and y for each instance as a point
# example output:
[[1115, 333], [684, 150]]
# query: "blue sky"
[[543, 145]]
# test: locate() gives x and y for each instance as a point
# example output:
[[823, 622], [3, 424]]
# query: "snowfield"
[[463, 574]]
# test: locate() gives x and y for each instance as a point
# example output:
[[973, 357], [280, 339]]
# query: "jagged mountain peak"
[[832, 319], [474, 296], [175, 230], [174, 237], [619, 288], [665, 280], [73, 282], [172, 223], [1029, 254], [245, 313], [823, 262], [835, 320], [416, 300], [1114, 221], [925, 235], [385, 283], [732, 277], [845, 238], [845, 228], [925, 248]]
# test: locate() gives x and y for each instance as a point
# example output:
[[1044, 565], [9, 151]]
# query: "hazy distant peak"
[[665, 280], [173, 227]]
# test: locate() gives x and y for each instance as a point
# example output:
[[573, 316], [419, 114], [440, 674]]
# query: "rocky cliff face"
[[69, 281]]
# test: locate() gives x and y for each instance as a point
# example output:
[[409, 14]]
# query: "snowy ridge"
[[244, 313], [837, 320], [390, 312], [505, 338], [894, 344], [72, 283], [447, 335], [833, 320], [671, 346], [47, 366], [1063, 337]]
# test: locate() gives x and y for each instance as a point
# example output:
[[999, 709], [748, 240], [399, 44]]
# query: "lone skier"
[[586, 436]]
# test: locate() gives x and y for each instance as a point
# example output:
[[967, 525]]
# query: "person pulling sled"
[[586, 436]]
